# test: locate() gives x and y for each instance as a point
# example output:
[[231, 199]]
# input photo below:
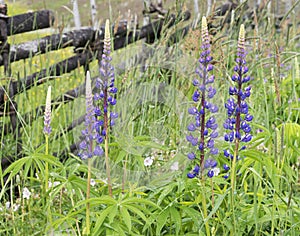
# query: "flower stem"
[[107, 167], [49, 215], [204, 207], [88, 190], [124, 174], [233, 185], [46, 164]]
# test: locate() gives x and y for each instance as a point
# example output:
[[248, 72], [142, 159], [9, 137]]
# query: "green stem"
[[204, 207], [233, 186], [107, 167], [88, 197], [46, 164], [124, 174], [49, 215]]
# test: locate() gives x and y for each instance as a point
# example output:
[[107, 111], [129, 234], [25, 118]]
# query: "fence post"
[[4, 46], [76, 15], [94, 14]]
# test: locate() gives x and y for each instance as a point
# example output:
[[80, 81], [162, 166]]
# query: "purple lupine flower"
[[203, 111], [47, 116], [237, 108], [237, 123], [105, 98], [87, 148]]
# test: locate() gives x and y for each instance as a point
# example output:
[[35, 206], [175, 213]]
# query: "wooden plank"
[[29, 21], [75, 38]]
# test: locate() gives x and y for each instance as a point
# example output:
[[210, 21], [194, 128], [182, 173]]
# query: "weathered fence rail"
[[29, 21]]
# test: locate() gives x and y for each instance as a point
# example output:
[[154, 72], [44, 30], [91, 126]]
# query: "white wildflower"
[[7, 205], [93, 182], [54, 184], [26, 193], [16, 207], [148, 161], [175, 166]]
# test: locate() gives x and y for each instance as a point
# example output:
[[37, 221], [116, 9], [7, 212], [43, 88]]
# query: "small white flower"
[[26, 193], [175, 166], [105, 180], [54, 184], [216, 171], [7, 205], [148, 161], [93, 182], [16, 207]]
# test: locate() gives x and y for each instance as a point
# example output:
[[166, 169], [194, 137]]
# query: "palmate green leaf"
[[126, 217], [193, 214], [135, 200], [138, 212], [100, 219], [16, 166], [272, 172], [121, 156], [97, 201], [166, 192], [120, 231], [161, 220], [112, 214], [61, 220], [28, 162], [77, 182], [176, 218]]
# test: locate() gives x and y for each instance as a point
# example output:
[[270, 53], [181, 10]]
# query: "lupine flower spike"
[[237, 123], [203, 130], [87, 149], [238, 129], [105, 100], [47, 132], [47, 115], [106, 97]]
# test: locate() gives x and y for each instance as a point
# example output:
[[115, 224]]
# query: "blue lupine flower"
[[204, 120], [87, 149], [237, 107], [105, 98], [237, 123], [47, 116]]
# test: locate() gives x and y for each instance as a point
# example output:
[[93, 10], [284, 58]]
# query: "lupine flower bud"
[[204, 120], [47, 116]]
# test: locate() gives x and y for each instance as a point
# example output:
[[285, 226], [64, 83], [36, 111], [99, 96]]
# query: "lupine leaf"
[[176, 218], [137, 211], [99, 221], [126, 217], [161, 220]]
